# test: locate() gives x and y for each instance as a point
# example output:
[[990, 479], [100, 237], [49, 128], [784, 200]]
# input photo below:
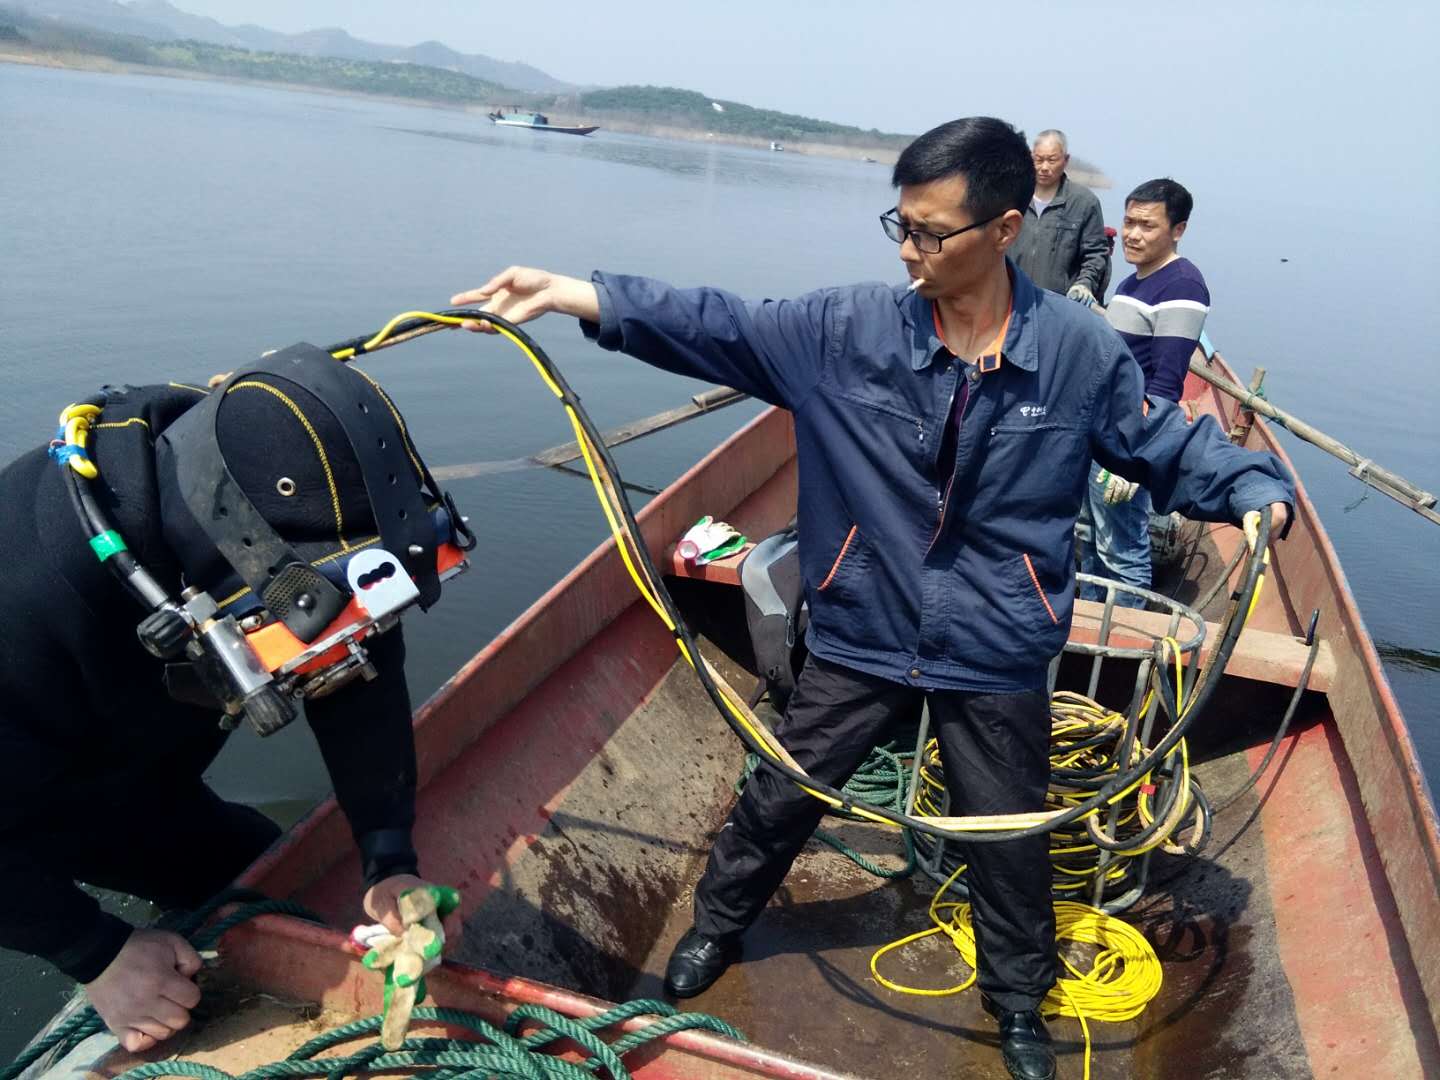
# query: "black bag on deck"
[[775, 611]]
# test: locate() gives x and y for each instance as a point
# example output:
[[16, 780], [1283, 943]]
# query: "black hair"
[[992, 157], [1177, 200]]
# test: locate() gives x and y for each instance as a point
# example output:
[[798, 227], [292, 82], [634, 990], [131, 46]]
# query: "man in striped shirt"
[[1160, 312]]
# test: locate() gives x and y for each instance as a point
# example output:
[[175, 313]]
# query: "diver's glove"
[[408, 958], [1081, 294]]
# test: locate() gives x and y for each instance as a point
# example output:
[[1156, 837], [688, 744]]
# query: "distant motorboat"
[[536, 122], [776, 147]]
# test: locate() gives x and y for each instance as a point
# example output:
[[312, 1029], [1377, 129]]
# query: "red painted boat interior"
[[573, 773]]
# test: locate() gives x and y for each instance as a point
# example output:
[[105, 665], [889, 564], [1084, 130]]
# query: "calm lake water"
[[155, 229]]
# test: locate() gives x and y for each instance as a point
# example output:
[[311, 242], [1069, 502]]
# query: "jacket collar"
[[1058, 199], [1021, 347]]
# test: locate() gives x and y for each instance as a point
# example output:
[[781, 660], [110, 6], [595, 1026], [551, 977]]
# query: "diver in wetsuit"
[[105, 765]]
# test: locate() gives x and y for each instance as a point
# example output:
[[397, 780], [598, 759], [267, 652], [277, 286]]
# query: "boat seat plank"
[[1262, 655]]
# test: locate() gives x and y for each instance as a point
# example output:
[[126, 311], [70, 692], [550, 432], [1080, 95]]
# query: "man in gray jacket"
[[1062, 244]]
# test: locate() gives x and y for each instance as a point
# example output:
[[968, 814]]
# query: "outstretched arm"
[[770, 349]]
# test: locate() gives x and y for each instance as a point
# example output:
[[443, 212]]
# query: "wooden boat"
[[537, 122], [573, 771]]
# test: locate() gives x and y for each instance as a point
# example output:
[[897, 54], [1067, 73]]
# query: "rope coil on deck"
[[490, 1052]]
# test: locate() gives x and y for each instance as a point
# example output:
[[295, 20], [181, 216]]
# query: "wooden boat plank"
[[1263, 655]]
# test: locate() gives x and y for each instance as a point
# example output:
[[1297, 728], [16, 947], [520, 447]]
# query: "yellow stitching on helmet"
[[319, 449], [187, 386], [125, 423], [404, 435], [233, 597], [353, 548]]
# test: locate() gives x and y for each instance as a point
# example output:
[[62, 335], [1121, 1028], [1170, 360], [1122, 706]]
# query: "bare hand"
[[382, 904], [522, 293], [147, 992], [1279, 515]]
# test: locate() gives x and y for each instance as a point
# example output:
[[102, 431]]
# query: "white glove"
[[1117, 488], [1081, 294]]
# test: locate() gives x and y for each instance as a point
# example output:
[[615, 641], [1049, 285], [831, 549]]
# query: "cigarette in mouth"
[[915, 283]]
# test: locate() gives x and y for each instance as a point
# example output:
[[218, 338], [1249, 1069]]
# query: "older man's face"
[[1050, 162]]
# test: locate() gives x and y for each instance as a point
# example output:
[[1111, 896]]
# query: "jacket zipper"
[[942, 498]]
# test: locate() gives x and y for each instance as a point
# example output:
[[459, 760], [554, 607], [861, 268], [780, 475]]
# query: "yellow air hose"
[[1125, 973]]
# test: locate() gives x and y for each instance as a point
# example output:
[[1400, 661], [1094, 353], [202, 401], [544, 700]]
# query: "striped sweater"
[[1161, 317]]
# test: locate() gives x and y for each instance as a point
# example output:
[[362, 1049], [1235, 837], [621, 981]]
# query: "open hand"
[[147, 992], [522, 293]]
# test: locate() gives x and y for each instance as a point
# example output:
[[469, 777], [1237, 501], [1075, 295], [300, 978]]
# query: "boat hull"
[[571, 774], [559, 129]]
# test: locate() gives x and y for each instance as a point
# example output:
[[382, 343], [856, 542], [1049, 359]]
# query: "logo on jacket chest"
[[1032, 410]]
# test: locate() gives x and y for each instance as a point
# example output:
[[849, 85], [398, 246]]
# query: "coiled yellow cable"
[[1124, 975]]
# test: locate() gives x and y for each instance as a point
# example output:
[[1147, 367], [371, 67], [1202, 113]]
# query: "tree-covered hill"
[[669, 106]]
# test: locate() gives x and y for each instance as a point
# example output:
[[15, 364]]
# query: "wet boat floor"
[[803, 985]]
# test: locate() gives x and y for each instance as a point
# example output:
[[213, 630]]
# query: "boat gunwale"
[[1418, 904]]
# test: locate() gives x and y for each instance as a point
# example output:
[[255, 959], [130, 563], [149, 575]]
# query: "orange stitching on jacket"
[[839, 558], [1043, 598]]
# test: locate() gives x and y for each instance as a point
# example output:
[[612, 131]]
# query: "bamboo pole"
[[1362, 468], [558, 457]]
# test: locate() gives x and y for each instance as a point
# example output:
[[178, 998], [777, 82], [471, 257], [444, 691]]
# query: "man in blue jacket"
[[944, 432]]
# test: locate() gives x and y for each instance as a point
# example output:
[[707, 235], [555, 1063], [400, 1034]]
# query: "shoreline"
[[73, 61]]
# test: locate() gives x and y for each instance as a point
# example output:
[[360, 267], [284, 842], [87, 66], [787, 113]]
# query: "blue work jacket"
[[970, 587]]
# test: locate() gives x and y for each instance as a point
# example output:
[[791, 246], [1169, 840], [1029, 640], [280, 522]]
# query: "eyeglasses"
[[926, 242]]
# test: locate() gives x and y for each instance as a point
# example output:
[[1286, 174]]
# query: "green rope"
[[71, 1033], [500, 1055], [86, 1022], [883, 779], [493, 1053]]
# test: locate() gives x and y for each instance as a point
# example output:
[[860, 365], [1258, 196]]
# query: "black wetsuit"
[[102, 779]]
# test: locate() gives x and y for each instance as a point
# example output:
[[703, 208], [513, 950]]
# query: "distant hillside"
[[158, 20], [667, 106], [392, 79], [133, 34]]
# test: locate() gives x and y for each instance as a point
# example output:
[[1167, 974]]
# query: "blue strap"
[[62, 453]]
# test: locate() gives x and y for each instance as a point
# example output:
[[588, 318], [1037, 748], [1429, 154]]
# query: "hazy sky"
[[1314, 101]]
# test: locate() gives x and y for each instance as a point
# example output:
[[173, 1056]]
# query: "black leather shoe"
[[697, 962], [1024, 1043]]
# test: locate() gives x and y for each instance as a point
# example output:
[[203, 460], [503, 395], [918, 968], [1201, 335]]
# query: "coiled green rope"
[[494, 1053], [883, 780]]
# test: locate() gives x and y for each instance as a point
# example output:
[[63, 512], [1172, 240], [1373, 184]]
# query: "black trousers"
[[995, 749]]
